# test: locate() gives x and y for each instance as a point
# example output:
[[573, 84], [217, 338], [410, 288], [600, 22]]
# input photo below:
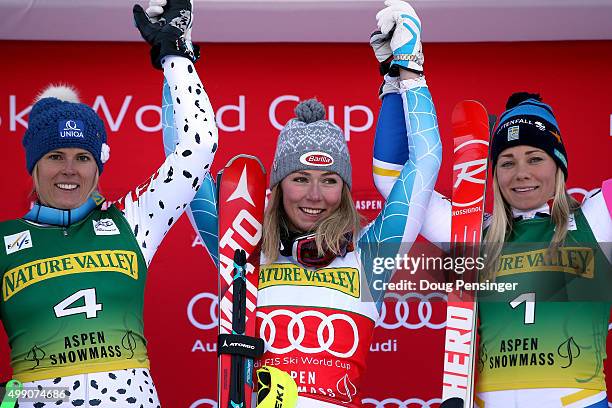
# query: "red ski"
[[471, 136], [241, 189]]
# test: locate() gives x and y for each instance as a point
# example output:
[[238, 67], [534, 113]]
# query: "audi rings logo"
[[396, 403], [403, 307], [296, 330], [204, 402], [204, 321]]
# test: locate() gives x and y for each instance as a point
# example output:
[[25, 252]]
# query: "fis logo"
[[17, 242], [69, 128]]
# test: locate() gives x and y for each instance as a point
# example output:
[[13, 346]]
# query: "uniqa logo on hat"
[[70, 128], [317, 159]]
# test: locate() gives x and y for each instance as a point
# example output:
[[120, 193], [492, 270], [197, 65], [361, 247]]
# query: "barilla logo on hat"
[[513, 133], [316, 159], [70, 128]]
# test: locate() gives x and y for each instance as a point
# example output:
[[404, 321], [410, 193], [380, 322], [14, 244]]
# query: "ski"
[[470, 125], [241, 198]]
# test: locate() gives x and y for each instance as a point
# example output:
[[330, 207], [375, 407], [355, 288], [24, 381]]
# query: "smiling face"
[[310, 196], [64, 178], [526, 177]]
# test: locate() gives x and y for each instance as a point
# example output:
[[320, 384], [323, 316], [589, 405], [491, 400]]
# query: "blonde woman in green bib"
[[74, 267]]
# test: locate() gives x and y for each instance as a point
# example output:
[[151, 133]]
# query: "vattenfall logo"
[[70, 128]]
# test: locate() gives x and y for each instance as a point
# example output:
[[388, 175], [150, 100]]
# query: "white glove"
[[406, 46]]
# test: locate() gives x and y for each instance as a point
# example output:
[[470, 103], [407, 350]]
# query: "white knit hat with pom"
[[309, 142]]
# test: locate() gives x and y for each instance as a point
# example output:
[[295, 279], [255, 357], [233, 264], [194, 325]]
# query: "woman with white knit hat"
[[319, 297]]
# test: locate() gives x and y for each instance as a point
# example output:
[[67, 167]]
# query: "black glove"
[[168, 35]]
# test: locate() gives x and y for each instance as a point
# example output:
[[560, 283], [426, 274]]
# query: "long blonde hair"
[[501, 224], [329, 231]]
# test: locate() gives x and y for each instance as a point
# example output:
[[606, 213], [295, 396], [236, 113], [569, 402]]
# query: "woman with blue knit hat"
[[74, 267], [557, 252], [543, 344], [319, 296]]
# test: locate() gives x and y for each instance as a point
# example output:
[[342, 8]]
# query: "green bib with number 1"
[[550, 332]]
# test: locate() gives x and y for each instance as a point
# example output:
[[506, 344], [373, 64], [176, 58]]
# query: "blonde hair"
[[501, 224], [329, 231]]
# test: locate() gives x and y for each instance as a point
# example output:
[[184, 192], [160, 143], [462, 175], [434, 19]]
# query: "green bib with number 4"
[[72, 297]]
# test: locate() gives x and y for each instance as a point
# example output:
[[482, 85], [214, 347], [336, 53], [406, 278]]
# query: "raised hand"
[[169, 33], [400, 22]]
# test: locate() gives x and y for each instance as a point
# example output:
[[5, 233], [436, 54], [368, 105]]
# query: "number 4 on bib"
[[471, 135], [90, 307]]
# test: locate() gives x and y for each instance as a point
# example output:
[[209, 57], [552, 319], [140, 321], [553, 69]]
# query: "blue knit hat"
[[529, 121], [58, 120]]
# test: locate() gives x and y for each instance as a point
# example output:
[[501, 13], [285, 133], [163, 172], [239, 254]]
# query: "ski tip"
[[470, 118], [454, 402], [246, 157], [469, 108]]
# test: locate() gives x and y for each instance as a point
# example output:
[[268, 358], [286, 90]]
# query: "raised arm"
[[391, 142], [390, 155], [202, 210], [153, 207], [398, 224]]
